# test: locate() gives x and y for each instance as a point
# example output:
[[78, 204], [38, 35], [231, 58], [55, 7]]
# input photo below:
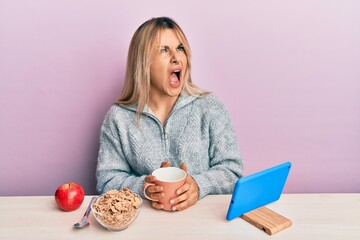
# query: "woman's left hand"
[[188, 194]]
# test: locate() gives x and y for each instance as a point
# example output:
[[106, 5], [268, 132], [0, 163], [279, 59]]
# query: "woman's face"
[[168, 66]]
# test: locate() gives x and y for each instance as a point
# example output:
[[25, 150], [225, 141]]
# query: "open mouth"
[[177, 72], [175, 78]]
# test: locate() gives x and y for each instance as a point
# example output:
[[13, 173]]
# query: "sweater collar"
[[183, 100]]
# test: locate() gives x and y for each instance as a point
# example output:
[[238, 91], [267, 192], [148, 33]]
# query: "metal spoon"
[[84, 223]]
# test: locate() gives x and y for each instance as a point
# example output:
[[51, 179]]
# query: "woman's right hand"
[[154, 191]]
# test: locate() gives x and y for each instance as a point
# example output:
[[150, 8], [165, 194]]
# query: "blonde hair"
[[136, 89]]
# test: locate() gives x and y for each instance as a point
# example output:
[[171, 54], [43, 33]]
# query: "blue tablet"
[[257, 190]]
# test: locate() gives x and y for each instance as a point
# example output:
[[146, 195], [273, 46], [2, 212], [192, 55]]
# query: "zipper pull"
[[164, 137]]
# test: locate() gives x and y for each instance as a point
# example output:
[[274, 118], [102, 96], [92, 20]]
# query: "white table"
[[314, 216]]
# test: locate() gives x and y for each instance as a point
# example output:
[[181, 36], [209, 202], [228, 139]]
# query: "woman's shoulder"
[[213, 109], [114, 110], [210, 107], [210, 101], [117, 112]]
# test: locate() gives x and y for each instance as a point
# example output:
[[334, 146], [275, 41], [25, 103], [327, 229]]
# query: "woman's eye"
[[180, 48], [163, 50]]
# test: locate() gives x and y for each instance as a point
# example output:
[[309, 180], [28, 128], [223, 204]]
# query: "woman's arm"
[[113, 170], [225, 161]]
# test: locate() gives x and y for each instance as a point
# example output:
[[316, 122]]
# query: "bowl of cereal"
[[116, 210]]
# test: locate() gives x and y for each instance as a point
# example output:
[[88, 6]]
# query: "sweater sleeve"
[[113, 170], [225, 161]]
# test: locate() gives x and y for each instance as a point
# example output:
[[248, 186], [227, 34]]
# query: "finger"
[[180, 198], [188, 192], [183, 189], [166, 164], [186, 200], [157, 195], [150, 179], [155, 189], [157, 205], [183, 166], [185, 204], [180, 206]]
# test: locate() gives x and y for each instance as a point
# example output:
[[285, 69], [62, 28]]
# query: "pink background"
[[288, 72]]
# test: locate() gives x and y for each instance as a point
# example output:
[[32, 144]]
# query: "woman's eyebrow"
[[167, 47]]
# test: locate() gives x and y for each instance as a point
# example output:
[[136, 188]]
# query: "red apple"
[[69, 196]]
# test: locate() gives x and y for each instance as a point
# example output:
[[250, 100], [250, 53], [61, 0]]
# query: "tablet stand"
[[267, 220]]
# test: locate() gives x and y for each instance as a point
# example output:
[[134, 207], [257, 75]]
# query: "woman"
[[163, 119]]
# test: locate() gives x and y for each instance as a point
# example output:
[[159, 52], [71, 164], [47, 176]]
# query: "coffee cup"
[[171, 179]]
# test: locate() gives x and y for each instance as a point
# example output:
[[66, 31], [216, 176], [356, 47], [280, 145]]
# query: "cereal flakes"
[[117, 208]]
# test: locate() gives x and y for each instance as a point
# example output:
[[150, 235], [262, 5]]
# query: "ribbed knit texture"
[[198, 131]]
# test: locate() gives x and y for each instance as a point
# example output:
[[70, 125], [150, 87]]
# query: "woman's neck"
[[162, 106]]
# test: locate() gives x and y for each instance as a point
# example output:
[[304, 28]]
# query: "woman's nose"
[[175, 58]]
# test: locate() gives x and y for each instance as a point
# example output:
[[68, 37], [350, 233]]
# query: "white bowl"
[[116, 221]]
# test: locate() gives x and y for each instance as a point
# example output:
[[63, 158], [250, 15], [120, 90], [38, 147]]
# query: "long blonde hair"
[[136, 89]]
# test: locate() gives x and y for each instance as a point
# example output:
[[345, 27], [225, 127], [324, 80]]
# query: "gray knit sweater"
[[198, 131]]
